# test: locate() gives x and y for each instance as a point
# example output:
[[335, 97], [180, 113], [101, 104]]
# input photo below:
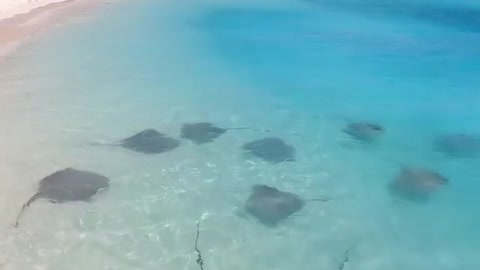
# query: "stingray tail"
[[327, 199], [249, 128], [31, 200], [320, 199], [103, 143]]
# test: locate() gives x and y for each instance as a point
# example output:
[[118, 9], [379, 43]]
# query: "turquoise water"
[[299, 68]]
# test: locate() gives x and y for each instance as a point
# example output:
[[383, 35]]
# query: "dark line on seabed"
[[200, 259], [345, 260], [199, 253]]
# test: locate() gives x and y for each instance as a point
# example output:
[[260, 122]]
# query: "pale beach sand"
[[20, 20], [10, 8], [19, 24]]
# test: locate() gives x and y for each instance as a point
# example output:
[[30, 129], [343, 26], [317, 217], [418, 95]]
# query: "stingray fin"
[[31, 200]]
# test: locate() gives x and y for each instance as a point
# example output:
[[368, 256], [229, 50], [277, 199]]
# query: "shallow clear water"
[[297, 68]]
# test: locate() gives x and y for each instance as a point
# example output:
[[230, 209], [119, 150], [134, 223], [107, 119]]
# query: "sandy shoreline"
[[10, 8], [20, 22]]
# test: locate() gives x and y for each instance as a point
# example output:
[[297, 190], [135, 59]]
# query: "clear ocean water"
[[299, 68]]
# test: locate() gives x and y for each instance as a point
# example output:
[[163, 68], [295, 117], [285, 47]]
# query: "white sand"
[[10, 8]]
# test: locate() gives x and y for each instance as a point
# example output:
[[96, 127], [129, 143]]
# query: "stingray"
[[416, 184], [67, 185], [364, 131], [270, 206], [458, 145], [205, 132], [271, 149], [148, 141]]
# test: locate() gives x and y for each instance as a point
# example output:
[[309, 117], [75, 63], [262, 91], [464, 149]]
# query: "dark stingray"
[[149, 141], [205, 132], [458, 145], [364, 131], [271, 149], [68, 185], [416, 184], [270, 206]]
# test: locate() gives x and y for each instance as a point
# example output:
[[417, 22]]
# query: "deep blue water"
[[332, 58], [300, 68]]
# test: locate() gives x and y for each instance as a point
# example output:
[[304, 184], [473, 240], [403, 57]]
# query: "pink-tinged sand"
[[19, 23], [10, 8]]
